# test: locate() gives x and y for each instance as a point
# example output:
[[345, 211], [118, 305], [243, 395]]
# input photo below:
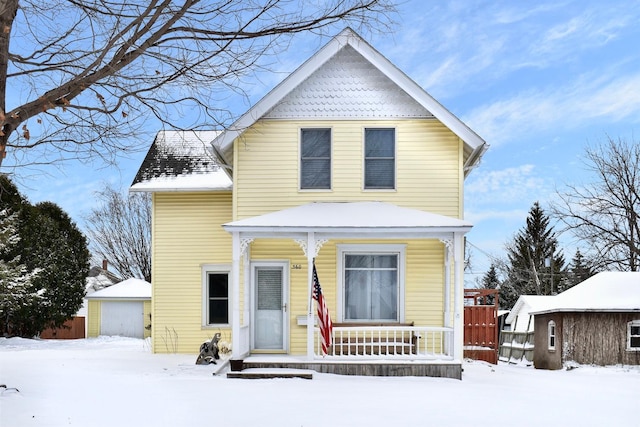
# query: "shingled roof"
[[181, 160]]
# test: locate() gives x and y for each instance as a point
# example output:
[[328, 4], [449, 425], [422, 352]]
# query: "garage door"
[[122, 318]]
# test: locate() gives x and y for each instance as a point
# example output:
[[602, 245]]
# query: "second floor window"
[[315, 159], [379, 159]]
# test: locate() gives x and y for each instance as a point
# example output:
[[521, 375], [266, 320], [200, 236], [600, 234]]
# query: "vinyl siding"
[[187, 234], [93, 322], [424, 279], [428, 166]]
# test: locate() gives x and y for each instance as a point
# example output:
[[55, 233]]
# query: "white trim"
[[348, 37], [633, 323], [399, 249], [284, 264], [215, 268]]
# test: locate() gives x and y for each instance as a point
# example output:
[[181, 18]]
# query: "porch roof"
[[350, 218]]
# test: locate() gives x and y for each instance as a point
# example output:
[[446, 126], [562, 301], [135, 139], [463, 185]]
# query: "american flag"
[[324, 319]]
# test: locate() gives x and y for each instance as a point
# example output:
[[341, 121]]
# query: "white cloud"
[[611, 97]]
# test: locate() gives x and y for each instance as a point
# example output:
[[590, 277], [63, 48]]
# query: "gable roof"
[[610, 291], [129, 289], [524, 306], [474, 148], [181, 161]]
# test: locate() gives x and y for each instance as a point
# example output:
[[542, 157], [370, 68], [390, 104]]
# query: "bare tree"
[[605, 214], [82, 77], [119, 231]]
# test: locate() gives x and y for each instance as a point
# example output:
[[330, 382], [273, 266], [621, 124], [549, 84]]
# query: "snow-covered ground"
[[112, 381]]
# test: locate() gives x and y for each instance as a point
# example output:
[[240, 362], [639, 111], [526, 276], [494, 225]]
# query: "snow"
[[605, 291], [131, 289], [350, 214], [211, 181], [109, 381]]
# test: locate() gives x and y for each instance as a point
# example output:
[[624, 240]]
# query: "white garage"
[[123, 309]]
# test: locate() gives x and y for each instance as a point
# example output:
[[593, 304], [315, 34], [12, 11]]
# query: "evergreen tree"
[[44, 261], [490, 280], [534, 264], [580, 269], [16, 282]]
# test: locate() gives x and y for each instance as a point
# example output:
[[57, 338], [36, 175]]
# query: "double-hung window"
[[633, 335], [216, 304], [372, 283], [315, 159], [379, 159], [551, 335]]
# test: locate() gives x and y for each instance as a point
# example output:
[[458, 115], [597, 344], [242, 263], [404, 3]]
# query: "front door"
[[270, 328]]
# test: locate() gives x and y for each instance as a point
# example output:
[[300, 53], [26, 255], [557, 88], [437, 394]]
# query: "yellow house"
[[347, 165]]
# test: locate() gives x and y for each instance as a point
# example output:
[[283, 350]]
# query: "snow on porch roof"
[[374, 217], [128, 289]]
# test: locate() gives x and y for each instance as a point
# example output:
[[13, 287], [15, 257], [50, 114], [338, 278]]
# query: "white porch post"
[[235, 320], [458, 303], [310, 252]]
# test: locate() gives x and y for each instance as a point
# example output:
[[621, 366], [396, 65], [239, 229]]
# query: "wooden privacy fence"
[[72, 329], [481, 324], [516, 347]]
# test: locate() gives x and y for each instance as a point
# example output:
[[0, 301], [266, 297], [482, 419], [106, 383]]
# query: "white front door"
[[270, 304]]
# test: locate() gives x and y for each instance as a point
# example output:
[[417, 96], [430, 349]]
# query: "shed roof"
[[610, 291]]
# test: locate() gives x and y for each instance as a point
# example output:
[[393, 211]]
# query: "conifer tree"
[[535, 266], [44, 261], [490, 280], [580, 269]]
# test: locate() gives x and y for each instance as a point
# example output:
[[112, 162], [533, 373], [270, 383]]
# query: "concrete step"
[[262, 373]]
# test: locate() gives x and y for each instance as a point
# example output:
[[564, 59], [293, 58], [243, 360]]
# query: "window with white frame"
[[372, 282], [633, 335], [216, 292], [380, 159], [315, 159], [551, 335]]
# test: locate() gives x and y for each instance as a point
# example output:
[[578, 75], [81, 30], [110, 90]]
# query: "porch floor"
[[342, 366]]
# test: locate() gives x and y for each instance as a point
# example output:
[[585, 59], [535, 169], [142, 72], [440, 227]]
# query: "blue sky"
[[539, 81]]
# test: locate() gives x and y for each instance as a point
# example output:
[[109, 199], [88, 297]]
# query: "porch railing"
[[408, 342]]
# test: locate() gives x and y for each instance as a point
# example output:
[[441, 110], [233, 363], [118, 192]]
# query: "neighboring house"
[[520, 318], [347, 162], [123, 309], [595, 322]]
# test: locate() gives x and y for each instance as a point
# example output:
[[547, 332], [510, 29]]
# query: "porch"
[[418, 278], [371, 351]]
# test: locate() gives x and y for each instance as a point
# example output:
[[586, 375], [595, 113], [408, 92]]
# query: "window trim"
[[300, 130], [630, 324], [215, 268], [395, 158], [377, 249], [552, 335]]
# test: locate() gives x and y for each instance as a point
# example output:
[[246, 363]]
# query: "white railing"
[[389, 342], [244, 343]]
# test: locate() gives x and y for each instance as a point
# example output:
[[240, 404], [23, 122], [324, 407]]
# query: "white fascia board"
[[225, 139], [348, 36], [350, 232]]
